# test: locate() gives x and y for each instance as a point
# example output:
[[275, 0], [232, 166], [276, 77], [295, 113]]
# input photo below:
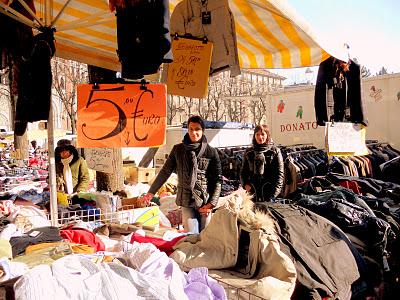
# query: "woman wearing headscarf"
[[262, 171], [71, 169], [199, 173]]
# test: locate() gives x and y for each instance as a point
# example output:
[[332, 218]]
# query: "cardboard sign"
[[344, 139], [99, 159], [121, 115], [188, 73]]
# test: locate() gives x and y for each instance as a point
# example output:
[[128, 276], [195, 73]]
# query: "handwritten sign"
[[121, 115], [345, 139], [99, 159], [188, 73]]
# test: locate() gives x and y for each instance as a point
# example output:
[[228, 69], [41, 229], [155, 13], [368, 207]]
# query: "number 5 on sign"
[[121, 115]]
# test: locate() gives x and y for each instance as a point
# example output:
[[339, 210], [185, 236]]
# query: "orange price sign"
[[121, 115]]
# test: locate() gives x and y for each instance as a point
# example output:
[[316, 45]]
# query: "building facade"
[[293, 118], [239, 99]]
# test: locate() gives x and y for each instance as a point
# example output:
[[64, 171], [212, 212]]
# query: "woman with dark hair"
[[72, 173], [262, 170], [199, 173]]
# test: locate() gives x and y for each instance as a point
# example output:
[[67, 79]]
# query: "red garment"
[[351, 185], [83, 236], [162, 245], [34, 161]]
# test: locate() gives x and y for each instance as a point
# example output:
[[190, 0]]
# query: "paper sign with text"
[[345, 139], [99, 159], [188, 73], [121, 115]]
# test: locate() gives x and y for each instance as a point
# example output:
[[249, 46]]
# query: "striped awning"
[[269, 33]]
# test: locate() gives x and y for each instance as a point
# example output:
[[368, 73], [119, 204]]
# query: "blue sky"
[[371, 29]]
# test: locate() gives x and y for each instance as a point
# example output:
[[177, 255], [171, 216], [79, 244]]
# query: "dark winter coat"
[[79, 170], [270, 184], [143, 37], [327, 264], [348, 95], [209, 175]]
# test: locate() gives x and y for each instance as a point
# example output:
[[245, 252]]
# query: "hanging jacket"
[[209, 175], [346, 94], [270, 184], [34, 83], [187, 19], [143, 37], [16, 37]]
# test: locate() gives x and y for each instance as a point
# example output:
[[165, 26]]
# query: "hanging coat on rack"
[[34, 83], [143, 36], [338, 93], [212, 19], [16, 37]]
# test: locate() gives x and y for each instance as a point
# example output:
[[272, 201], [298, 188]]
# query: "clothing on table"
[[161, 244], [200, 286], [83, 236], [33, 237], [315, 244]]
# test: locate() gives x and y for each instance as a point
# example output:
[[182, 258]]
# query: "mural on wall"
[[299, 113], [281, 106], [398, 96], [375, 93]]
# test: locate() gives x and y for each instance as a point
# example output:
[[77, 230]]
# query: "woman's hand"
[[206, 209], [247, 187]]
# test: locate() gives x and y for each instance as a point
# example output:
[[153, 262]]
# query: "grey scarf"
[[192, 166], [259, 158]]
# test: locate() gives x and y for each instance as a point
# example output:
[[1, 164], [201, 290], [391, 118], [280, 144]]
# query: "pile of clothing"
[[368, 212]]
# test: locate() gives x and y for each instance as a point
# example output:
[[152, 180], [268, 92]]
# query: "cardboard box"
[[149, 216], [145, 174], [138, 174]]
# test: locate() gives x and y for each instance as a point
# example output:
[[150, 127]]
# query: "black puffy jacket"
[[209, 175], [269, 185]]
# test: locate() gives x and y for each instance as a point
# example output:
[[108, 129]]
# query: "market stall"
[[261, 34]]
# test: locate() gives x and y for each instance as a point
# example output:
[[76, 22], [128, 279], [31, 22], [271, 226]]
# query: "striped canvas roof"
[[269, 33]]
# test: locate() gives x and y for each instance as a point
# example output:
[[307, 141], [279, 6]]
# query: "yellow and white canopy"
[[269, 33]]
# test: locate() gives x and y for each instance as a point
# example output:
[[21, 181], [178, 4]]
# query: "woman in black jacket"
[[262, 170], [199, 173]]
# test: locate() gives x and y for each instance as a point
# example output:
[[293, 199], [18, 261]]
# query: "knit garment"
[[67, 174]]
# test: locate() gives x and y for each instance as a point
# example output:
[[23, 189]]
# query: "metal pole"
[[48, 12], [52, 168]]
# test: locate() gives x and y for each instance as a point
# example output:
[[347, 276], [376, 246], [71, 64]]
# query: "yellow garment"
[[76, 248], [62, 198], [5, 249], [40, 246], [82, 249], [45, 254]]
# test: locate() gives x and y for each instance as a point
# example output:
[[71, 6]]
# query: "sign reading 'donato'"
[[188, 73], [121, 115]]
